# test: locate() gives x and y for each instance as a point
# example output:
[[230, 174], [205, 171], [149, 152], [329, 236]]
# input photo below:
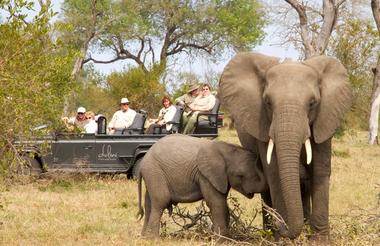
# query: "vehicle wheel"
[[136, 168], [30, 166]]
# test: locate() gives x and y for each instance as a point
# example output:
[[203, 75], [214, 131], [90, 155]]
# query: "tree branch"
[[167, 42], [330, 12], [376, 12], [306, 39]]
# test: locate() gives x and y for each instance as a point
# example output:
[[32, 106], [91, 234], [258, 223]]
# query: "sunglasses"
[[80, 113], [124, 103]]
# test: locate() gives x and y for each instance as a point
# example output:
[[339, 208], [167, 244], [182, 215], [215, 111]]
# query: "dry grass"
[[88, 210]]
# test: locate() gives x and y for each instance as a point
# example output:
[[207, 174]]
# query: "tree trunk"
[[316, 43], [375, 104], [375, 99]]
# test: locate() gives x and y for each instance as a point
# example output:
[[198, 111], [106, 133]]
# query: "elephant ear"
[[336, 96], [212, 165], [240, 89]]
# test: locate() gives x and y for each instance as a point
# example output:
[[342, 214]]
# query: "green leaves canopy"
[[148, 32]]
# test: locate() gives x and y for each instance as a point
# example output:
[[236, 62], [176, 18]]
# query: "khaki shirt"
[[185, 101]]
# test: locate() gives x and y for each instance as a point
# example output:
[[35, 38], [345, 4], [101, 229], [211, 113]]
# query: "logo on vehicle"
[[107, 154]]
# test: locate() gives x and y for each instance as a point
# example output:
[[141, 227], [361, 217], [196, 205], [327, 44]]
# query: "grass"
[[100, 210]]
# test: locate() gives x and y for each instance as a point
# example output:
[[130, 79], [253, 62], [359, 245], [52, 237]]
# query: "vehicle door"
[[73, 151]]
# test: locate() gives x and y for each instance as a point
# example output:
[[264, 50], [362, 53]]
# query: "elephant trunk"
[[291, 132]]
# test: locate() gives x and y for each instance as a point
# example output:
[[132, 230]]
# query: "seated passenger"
[[186, 99], [122, 118], [79, 120], [203, 103], [165, 115], [91, 126]]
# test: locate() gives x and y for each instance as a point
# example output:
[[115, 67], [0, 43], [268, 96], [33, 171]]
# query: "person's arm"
[[207, 104], [130, 117], [111, 124], [71, 120], [160, 115], [170, 114], [180, 100]]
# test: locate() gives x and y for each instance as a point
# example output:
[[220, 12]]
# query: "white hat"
[[81, 110], [124, 100]]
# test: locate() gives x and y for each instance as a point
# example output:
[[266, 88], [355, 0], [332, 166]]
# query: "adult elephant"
[[284, 107]]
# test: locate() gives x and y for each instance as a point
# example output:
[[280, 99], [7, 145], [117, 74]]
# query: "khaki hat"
[[81, 110], [124, 100], [193, 88]]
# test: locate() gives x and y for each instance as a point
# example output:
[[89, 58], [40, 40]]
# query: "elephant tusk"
[[308, 151], [270, 150]]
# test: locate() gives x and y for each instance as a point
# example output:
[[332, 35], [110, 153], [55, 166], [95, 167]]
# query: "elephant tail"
[[140, 213]]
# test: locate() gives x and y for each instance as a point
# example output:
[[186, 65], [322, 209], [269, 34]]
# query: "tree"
[[143, 90], [149, 32], [34, 75], [152, 34], [375, 98], [354, 45], [314, 26]]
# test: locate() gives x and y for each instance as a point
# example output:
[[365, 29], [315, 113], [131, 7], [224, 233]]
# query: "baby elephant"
[[180, 168]]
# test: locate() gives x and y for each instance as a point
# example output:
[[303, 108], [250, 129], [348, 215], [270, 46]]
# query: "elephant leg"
[[267, 219], [306, 196], [148, 208], [217, 202], [320, 200], [153, 227], [320, 189]]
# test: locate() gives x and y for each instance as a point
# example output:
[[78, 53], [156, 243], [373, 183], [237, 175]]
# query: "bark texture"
[[316, 43], [375, 99]]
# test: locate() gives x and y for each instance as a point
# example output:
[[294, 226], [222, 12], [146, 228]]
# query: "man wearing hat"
[[79, 120], [122, 118], [188, 98]]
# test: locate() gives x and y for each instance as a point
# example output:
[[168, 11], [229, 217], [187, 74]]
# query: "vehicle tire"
[[30, 166], [136, 168]]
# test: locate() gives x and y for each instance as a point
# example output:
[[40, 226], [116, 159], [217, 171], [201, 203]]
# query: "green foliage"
[[34, 76], [94, 94], [355, 46], [236, 19], [149, 32], [143, 90]]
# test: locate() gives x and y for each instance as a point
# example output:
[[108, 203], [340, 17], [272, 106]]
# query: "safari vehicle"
[[104, 153]]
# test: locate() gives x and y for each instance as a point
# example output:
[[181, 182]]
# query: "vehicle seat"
[[102, 124], [137, 126], [209, 126], [176, 123]]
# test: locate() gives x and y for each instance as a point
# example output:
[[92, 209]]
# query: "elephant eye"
[[312, 103], [267, 101]]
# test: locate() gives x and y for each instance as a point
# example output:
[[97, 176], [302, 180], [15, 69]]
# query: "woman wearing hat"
[[122, 118]]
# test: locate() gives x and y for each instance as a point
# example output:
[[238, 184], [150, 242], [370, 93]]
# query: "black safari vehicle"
[[103, 153]]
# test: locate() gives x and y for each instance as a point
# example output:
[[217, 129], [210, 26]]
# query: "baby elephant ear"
[[336, 96], [212, 166]]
